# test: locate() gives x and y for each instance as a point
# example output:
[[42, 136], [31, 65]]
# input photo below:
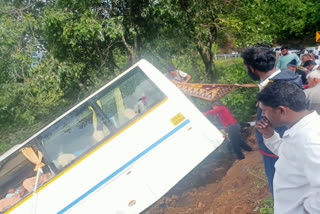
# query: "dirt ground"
[[219, 185]]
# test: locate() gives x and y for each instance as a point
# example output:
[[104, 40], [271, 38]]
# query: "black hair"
[[283, 93], [309, 62], [284, 47], [260, 58], [170, 68]]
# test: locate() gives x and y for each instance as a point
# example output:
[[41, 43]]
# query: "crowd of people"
[[287, 124], [287, 127]]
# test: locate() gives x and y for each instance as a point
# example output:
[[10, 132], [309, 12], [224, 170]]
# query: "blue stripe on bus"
[[123, 167]]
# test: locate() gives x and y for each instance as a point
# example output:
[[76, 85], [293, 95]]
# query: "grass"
[[267, 206], [261, 178], [261, 181]]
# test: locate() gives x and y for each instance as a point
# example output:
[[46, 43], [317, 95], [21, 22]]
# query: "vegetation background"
[[53, 53]]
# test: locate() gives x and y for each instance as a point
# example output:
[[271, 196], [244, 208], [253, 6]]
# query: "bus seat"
[[98, 133], [66, 158], [129, 113]]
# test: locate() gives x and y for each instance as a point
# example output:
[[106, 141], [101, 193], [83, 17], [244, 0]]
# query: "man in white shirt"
[[313, 90], [310, 65], [309, 56], [316, 52], [297, 178]]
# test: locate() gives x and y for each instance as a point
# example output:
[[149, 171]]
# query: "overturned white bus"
[[118, 151]]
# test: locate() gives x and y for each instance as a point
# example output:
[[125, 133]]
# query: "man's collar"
[[316, 85], [265, 82], [294, 129], [315, 67]]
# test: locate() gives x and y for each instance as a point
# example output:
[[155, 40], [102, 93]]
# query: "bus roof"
[[10, 151]]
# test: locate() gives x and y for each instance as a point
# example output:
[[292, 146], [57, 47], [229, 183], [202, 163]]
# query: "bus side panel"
[[192, 112], [172, 160], [175, 158], [149, 177], [127, 194]]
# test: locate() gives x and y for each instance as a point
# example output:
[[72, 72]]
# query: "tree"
[[27, 89], [275, 21], [197, 25]]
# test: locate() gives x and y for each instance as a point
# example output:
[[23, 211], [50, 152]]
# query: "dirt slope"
[[220, 184]]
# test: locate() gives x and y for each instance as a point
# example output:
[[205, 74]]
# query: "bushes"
[[21, 103], [241, 101]]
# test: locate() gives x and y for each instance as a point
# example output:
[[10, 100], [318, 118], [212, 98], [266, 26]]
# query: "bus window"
[[74, 135], [134, 95], [93, 122], [18, 175]]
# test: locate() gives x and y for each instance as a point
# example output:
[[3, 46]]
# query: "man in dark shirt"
[[260, 65], [232, 127], [292, 65]]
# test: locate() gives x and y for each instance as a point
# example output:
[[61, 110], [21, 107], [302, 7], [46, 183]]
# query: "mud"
[[220, 184]]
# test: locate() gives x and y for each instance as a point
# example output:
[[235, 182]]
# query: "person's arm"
[[271, 138], [298, 60], [273, 143], [278, 63], [187, 78], [211, 112], [311, 167]]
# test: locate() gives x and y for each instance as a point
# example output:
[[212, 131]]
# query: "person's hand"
[[265, 127]]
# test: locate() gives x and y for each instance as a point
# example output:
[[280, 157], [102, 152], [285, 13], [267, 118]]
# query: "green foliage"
[[261, 180], [267, 206], [85, 43], [28, 89], [312, 19], [270, 20], [241, 101], [4, 146], [24, 102], [72, 36]]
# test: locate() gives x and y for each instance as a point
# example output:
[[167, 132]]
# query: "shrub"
[[267, 206], [241, 101]]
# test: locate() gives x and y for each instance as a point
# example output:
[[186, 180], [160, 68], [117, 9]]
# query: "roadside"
[[220, 185]]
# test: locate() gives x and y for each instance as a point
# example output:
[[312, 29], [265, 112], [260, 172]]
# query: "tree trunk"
[[133, 50], [205, 50], [207, 58]]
